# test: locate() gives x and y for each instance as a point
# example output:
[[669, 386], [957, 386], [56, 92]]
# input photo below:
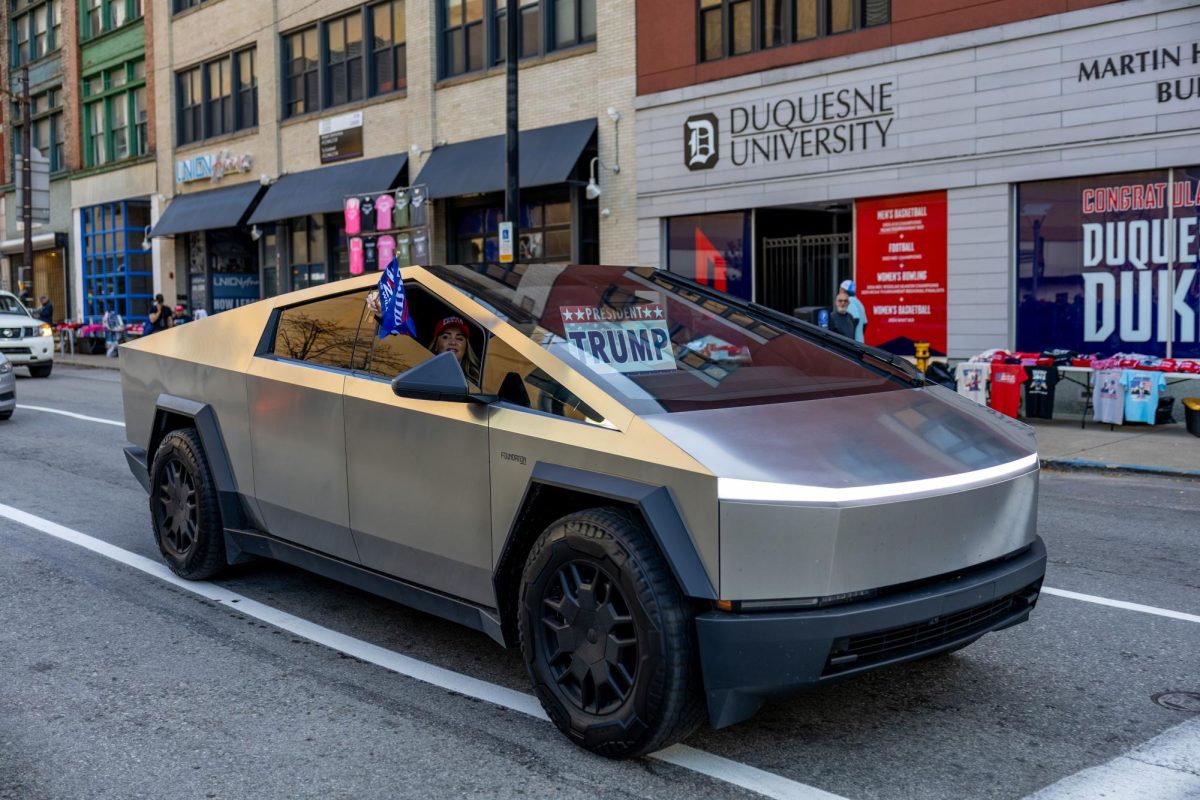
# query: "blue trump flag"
[[393, 304]]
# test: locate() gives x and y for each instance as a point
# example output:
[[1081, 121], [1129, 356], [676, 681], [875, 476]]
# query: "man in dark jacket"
[[841, 320], [46, 311]]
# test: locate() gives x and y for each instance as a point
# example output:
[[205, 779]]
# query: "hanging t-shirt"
[[366, 212], [1039, 392], [352, 218], [1006, 387], [1108, 399], [1141, 394], [383, 211], [972, 381], [371, 255]]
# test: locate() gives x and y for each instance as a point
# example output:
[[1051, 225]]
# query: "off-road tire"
[[184, 507], [629, 712], [40, 370], [6, 414]]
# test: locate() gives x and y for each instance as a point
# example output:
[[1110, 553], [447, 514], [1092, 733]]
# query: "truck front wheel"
[[607, 637]]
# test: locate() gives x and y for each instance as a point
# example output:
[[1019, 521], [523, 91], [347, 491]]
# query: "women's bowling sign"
[[900, 270], [630, 339]]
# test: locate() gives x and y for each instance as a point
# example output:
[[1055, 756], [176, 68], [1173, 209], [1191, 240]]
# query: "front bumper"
[[30, 350], [748, 657]]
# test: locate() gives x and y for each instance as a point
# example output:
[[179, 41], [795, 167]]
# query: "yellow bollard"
[[921, 350]]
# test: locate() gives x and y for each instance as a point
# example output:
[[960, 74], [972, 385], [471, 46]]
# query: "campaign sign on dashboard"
[[633, 339]]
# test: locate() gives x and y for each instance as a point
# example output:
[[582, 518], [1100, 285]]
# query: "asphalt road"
[[117, 684]]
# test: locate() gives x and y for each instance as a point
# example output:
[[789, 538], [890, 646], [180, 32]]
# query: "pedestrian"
[[160, 316], [857, 310], [181, 315], [841, 320], [46, 310], [114, 332]]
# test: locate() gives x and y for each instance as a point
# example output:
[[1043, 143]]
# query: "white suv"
[[24, 339]]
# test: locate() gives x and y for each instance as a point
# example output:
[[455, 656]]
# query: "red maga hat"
[[451, 322]]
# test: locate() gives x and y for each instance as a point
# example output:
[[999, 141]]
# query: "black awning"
[[547, 157], [324, 190], [202, 211]]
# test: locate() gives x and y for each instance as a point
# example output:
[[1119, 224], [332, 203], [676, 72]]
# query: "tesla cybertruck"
[[675, 503]]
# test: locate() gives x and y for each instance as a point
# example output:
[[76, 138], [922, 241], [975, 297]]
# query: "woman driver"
[[452, 335]]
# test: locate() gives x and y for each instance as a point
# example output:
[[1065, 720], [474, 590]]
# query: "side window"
[[388, 357], [322, 332], [517, 380]]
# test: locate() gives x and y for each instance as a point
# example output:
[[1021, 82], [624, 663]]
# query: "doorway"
[[804, 255]]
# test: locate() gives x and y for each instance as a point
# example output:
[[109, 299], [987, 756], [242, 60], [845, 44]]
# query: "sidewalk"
[[1162, 449]]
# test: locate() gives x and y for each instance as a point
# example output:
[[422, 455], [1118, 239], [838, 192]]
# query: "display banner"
[[1108, 264], [711, 249], [232, 289], [900, 270], [629, 339]]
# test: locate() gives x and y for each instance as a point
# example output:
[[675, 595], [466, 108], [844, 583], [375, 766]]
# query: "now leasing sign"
[[633, 339]]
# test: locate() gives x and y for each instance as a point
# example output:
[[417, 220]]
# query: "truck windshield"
[[660, 344], [11, 305]]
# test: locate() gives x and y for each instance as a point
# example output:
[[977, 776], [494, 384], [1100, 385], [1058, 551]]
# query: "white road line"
[[1165, 768], [71, 414], [1104, 601], [733, 772]]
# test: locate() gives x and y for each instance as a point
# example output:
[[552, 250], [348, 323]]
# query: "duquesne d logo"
[[700, 149]]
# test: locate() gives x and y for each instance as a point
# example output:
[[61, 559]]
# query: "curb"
[[1080, 465], [66, 362]]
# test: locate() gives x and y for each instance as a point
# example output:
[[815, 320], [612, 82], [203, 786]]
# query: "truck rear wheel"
[[607, 637], [184, 507]]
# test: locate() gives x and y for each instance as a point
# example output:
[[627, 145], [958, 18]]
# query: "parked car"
[[26, 340], [8, 388], [671, 500]]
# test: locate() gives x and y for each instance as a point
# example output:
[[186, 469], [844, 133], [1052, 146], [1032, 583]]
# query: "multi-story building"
[[41, 38], [270, 114], [992, 175], [91, 96], [113, 189]]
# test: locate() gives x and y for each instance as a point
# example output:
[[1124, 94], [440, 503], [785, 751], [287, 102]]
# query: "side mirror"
[[439, 378]]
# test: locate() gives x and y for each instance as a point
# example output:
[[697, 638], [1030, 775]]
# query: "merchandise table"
[[1086, 374]]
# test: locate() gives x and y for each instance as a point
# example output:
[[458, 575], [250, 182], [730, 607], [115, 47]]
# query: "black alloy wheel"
[[590, 641], [180, 514], [184, 507], [607, 636]]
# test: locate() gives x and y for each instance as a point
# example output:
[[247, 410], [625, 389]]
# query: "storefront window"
[[1107, 264], [712, 249], [116, 270], [308, 252], [544, 236]]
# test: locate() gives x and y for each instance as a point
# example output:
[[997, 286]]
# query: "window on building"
[[475, 32], [544, 236], [46, 134], [114, 110], [301, 69], [190, 97], [184, 5], [344, 59], [101, 16], [216, 98], [116, 271], [343, 70], [35, 29], [308, 254], [734, 27], [247, 89], [389, 64]]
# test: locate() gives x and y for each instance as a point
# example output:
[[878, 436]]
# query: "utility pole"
[[512, 171], [27, 173]]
